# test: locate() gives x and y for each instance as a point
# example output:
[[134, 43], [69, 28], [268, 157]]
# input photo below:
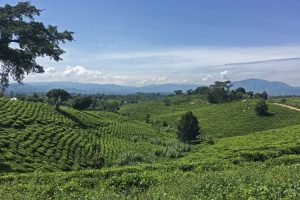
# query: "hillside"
[[263, 165], [71, 154], [219, 120], [35, 136]]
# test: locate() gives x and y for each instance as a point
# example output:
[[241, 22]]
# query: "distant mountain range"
[[273, 88], [255, 85]]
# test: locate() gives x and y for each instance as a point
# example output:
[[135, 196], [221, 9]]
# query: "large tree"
[[23, 39], [58, 96], [219, 92]]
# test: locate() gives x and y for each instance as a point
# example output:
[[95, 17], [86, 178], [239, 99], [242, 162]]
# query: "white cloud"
[[207, 78], [182, 65], [50, 70], [224, 75]]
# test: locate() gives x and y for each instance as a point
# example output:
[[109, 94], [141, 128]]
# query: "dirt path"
[[290, 107]]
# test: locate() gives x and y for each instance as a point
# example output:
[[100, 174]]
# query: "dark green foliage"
[[32, 38], [261, 108], [148, 119], [82, 102], [188, 127], [58, 96], [178, 92], [167, 102], [265, 95], [210, 140], [219, 92], [241, 90]]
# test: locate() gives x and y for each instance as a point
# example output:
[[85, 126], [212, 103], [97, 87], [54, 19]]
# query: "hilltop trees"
[[58, 96], [22, 40], [188, 127], [219, 92]]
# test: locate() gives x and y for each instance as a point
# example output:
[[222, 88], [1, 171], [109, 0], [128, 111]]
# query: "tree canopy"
[[58, 96], [82, 102], [23, 39], [188, 127]]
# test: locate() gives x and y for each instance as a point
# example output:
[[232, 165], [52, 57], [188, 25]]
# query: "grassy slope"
[[221, 120], [36, 137], [290, 101], [263, 165]]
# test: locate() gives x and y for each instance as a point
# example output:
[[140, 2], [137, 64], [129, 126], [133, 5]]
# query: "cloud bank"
[[183, 65]]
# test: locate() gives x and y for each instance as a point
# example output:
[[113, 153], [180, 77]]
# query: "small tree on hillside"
[[58, 96], [188, 127], [261, 108]]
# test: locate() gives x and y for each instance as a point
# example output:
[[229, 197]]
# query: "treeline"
[[220, 92], [100, 102]]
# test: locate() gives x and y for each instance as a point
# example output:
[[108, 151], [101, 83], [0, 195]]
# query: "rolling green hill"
[[263, 165], [35, 136], [218, 120], [71, 154]]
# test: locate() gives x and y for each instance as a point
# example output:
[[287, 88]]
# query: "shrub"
[[135, 138], [130, 157], [173, 153], [261, 108], [210, 141], [159, 152]]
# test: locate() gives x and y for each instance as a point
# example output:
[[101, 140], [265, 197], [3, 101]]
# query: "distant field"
[[219, 120], [263, 165]]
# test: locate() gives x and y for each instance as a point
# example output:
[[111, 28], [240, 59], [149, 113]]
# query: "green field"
[[219, 120], [71, 154]]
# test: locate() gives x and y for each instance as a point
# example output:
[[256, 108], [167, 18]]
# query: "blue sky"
[[138, 42]]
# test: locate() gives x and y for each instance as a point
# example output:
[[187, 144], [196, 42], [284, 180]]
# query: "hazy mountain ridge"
[[273, 88]]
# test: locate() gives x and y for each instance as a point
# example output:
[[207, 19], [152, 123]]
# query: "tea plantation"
[[37, 137], [219, 120], [264, 165], [71, 154]]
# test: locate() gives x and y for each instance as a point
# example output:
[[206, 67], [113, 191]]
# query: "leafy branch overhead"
[[23, 39]]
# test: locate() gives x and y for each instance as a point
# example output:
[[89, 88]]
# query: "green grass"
[[220, 120], [264, 165]]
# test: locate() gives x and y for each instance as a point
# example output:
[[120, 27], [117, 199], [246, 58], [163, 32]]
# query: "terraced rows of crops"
[[262, 165], [18, 114], [70, 140]]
